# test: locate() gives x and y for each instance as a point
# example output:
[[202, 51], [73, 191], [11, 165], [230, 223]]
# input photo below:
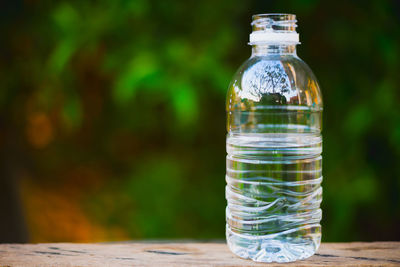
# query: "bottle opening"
[[274, 28]]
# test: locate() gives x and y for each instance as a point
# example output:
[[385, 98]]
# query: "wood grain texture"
[[186, 254]]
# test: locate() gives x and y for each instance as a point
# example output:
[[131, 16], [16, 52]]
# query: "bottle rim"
[[274, 14]]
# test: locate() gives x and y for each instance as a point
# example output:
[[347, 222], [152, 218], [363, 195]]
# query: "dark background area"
[[112, 115]]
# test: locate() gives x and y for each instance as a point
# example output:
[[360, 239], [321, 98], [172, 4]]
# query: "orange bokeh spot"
[[39, 130]]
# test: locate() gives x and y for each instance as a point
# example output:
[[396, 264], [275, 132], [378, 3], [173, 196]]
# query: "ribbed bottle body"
[[274, 162]]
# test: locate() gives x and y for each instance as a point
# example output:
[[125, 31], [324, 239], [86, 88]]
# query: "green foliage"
[[138, 88]]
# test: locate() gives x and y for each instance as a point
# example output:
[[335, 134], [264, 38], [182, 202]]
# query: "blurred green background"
[[112, 115]]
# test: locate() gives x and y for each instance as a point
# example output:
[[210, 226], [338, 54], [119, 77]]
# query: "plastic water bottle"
[[274, 145]]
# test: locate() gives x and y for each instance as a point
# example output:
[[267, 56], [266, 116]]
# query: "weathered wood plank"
[[186, 254]]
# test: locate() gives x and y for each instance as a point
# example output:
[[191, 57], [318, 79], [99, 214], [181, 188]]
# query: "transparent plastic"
[[274, 146]]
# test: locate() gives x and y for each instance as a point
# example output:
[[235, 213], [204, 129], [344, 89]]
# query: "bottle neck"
[[273, 49]]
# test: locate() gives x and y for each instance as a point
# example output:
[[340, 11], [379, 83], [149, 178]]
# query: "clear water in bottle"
[[274, 145]]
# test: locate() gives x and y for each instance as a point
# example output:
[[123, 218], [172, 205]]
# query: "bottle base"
[[272, 248]]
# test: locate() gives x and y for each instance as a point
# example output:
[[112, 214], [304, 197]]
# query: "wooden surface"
[[186, 254]]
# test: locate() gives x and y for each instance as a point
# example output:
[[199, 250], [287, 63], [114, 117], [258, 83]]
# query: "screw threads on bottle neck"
[[274, 29]]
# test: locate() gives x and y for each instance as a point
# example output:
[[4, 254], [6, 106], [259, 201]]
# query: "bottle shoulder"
[[274, 80]]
